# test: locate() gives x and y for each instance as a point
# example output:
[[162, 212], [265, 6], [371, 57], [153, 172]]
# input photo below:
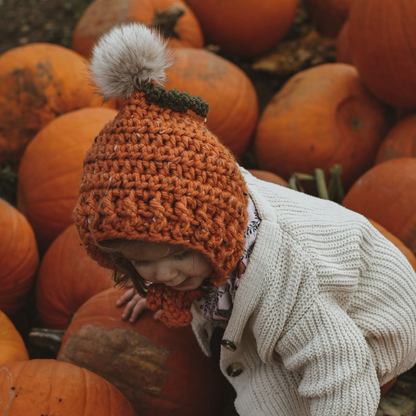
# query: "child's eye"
[[137, 263], [182, 255]]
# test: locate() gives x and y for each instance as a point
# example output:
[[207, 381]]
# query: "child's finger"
[[125, 297], [129, 308], [138, 309], [156, 315]]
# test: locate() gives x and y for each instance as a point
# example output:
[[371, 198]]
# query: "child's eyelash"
[[139, 263], [178, 256], [181, 255]]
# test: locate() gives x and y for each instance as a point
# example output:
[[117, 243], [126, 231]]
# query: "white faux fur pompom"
[[127, 56]]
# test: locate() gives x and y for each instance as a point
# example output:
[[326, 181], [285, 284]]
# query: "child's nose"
[[165, 273]]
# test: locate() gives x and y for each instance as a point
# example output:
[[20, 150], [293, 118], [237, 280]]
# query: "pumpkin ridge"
[[389, 42], [411, 52], [38, 189]]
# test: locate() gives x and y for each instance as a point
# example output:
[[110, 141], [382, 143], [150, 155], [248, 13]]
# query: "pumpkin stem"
[[296, 178], [335, 188], [333, 192], [321, 184], [175, 100], [50, 339], [166, 21]]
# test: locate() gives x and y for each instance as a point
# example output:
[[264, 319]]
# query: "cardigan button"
[[228, 345], [235, 369]]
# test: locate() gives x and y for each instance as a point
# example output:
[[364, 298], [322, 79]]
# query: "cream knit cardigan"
[[324, 315]]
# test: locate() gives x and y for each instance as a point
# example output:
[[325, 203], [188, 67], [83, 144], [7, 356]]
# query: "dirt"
[[27, 21]]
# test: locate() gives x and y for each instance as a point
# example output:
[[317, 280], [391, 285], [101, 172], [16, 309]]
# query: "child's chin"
[[184, 288], [188, 284]]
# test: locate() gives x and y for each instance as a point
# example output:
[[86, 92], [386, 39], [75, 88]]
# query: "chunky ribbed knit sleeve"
[[325, 313], [329, 350]]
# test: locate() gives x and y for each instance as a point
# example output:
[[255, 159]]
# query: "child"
[[319, 309]]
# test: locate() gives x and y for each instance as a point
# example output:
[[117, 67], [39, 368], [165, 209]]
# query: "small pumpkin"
[[386, 194], [18, 259], [173, 18], [382, 35], [400, 141], [162, 371], [343, 49], [51, 170], [49, 387], [328, 16], [321, 117], [12, 347], [67, 278], [244, 27], [268, 177], [38, 82], [231, 95]]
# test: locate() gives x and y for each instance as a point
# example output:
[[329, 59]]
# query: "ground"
[[28, 21]]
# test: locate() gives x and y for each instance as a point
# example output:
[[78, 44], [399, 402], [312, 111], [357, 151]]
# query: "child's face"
[[169, 264]]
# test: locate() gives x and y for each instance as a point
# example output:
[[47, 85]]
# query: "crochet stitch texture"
[[157, 175]]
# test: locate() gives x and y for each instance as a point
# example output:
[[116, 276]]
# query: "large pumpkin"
[[49, 387], [67, 278], [321, 117], [102, 15], [51, 170], [18, 259], [343, 49], [383, 40], [231, 95], [244, 27], [12, 347], [161, 371], [38, 82], [386, 195], [328, 16], [400, 141]]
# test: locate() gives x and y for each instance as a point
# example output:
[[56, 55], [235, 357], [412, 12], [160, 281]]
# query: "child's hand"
[[136, 304]]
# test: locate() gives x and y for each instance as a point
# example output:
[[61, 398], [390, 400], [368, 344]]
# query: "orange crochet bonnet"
[[156, 173]]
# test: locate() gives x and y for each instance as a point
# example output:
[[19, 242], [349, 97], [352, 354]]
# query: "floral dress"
[[217, 302]]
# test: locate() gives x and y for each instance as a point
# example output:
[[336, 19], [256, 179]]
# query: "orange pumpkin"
[[231, 95], [51, 170], [18, 259], [321, 117], [386, 195], [268, 176], [102, 15], [343, 49], [244, 27], [38, 82], [386, 387], [382, 35], [67, 278], [49, 387], [328, 16], [400, 141], [12, 347], [406, 251], [162, 371]]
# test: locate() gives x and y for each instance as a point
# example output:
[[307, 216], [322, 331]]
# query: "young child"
[[319, 309]]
